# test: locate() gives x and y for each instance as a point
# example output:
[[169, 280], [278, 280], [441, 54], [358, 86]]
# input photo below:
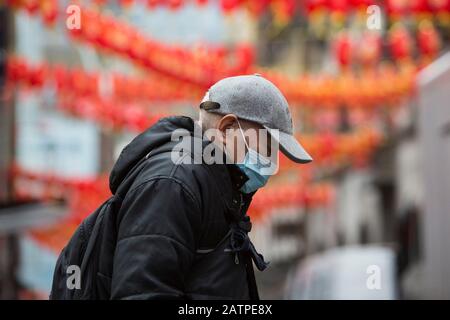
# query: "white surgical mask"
[[255, 166]]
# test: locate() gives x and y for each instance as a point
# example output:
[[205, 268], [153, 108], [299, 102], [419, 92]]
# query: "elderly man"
[[181, 231]]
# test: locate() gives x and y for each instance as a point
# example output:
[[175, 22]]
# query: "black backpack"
[[76, 269]]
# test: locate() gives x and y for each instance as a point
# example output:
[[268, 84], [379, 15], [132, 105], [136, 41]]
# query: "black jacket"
[[181, 232]]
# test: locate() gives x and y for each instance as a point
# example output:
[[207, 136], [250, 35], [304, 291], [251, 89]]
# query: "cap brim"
[[290, 147]]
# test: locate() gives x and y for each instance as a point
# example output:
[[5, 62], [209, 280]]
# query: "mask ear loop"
[[243, 136]]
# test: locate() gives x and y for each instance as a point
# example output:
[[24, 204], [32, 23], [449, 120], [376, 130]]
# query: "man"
[[182, 227]]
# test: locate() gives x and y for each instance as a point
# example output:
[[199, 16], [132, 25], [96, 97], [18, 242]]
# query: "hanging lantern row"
[[307, 196], [48, 10], [55, 236], [83, 196], [79, 93], [109, 114], [395, 9], [371, 89], [204, 65], [402, 44], [284, 10], [366, 50], [76, 87], [116, 113], [387, 85], [421, 9], [327, 148], [340, 119], [314, 10], [334, 150], [114, 86], [201, 66]]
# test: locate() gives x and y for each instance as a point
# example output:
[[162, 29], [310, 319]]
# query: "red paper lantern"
[[400, 42], [419, 7], [49, 9], [16, 70], [343, 49], [397, 8], [38, 75], [439, 5], [339, 6], [31, 6], [152, 4], [315, 5], [228, 6], [174, 4], [428, 40]]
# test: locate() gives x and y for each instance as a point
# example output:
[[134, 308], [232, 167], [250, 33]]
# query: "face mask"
[[254, 165]]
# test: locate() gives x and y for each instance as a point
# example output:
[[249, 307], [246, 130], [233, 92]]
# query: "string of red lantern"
[[384, 86], [284, 9], [337, 9], [322, 90], [85, 101], [79, 93], [117, 113], [366, 50], [328, 149], [81, 83], [308, 196], [84, 195], [333, 150], [184, 68], [56, 236], [370, 89], [201, 66], [47, 9]]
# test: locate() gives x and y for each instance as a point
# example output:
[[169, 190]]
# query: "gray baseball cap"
[[254, 98]]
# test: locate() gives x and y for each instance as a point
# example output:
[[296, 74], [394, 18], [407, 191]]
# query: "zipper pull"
[[236, 258]]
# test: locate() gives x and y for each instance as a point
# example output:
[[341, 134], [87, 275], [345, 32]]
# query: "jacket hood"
[[150, 140]]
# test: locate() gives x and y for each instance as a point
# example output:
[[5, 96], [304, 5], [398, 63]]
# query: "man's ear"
[[227, 122]]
